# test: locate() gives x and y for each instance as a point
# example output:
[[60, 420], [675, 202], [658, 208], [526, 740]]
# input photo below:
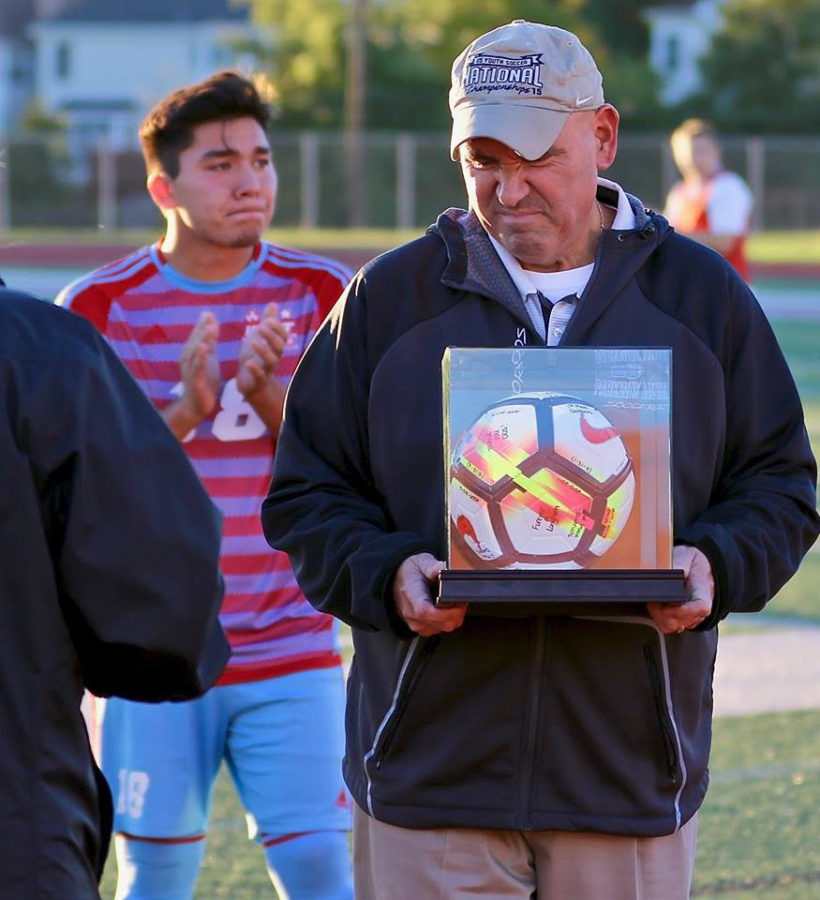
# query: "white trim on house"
[[679, 36]]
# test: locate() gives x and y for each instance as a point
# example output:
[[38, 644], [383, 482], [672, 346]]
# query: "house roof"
[[117, 11]]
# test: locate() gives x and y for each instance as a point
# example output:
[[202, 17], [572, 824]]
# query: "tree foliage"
[[304, 57], [762, 73], [411, 47]]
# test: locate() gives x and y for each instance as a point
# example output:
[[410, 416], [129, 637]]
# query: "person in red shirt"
[[709, 203], [211, 321]]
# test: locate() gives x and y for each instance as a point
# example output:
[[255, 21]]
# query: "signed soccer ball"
[[539, 480]]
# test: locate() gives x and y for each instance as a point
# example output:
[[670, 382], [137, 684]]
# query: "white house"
[[16, 60], [679, 35], [101, 64]]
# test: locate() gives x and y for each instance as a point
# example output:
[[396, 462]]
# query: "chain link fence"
[[409, 180]]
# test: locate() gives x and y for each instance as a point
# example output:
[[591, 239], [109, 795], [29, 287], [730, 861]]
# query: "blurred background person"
[[107, 584], [211, 321], [709, 203]]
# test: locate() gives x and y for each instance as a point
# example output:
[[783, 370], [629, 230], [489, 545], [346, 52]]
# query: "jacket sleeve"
[[132, 533], [762, 518], [323, 508]]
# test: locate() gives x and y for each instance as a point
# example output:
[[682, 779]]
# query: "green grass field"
[[758, 832], [801, 345], [760, 826], [784, 247]]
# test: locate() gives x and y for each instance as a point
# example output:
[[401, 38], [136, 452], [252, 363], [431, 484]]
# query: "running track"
[[784, 291]]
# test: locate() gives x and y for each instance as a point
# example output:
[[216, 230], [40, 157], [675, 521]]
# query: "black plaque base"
[[560, 592]]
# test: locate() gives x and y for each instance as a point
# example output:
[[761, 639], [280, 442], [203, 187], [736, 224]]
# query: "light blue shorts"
[[282, 740]]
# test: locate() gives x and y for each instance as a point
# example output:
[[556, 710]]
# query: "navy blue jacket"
[[109, 579], [542, 722]]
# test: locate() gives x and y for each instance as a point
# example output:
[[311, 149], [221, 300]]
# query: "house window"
[[63, 60], [672, 53]]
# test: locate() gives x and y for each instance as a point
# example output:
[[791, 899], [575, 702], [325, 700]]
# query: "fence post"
[[309, 179], [756, 167], [669, 171], [405, 181], [5, 188], [106, 186], [355, 140]]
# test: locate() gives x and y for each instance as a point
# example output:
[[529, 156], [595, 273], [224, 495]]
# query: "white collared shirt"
[[562, 288]]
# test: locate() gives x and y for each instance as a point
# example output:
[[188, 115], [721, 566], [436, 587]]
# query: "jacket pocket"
[[657, 684], [420, 654]]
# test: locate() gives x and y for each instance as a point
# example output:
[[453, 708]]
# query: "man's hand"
[[700, 592], [258, 357], [414, 601], [201, 380], [260, 353]]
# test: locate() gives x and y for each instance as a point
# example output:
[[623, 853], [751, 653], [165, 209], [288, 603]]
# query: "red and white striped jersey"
[[146, 310]]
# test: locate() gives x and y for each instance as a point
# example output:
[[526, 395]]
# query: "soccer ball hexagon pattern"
[[539, 480]]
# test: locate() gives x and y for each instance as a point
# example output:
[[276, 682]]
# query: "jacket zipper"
[[667, 732], [403, 692], [536, 679]]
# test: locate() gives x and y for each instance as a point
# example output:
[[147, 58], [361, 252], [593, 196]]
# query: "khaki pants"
[[393, 863]]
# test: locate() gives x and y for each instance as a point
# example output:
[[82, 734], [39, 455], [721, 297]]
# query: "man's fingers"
[[207, 327], [268, 351], [413, 596], [261, 352], [430, 567], [203, 337], [426, 619], [273, 335], [699, 582], [675, 619]]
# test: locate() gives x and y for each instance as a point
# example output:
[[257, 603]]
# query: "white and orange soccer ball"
[[539, 480]]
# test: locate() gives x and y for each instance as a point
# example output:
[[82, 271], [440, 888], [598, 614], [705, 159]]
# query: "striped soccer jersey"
[[146, 310]]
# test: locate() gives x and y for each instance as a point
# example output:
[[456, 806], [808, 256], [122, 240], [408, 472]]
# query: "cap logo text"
[[486, 72]]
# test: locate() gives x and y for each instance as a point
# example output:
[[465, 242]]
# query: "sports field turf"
[[758, 834]]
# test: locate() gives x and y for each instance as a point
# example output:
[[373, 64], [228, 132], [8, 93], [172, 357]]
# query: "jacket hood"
[[474, 265]]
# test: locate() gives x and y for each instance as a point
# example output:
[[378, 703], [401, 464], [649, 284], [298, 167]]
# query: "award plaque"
[[557, 471]]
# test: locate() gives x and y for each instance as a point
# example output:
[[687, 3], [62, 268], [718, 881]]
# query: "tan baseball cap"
[[518, 84]]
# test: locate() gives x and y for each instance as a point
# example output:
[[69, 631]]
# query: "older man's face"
[[544, 212]]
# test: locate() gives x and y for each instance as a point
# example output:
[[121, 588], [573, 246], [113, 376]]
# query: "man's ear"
[[161, 189], [606, 132]]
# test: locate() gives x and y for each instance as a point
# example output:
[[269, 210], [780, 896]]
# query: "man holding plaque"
[[549, 755]]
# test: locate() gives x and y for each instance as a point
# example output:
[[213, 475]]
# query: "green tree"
[[304, 57], [437, 34], [621, 24], [762, 73], [411, 47]]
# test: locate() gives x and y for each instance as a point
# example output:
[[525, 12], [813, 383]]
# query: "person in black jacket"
[[105, 585], [548, 756]]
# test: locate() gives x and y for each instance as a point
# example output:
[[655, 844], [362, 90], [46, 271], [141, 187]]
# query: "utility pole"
[[356, 164]]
